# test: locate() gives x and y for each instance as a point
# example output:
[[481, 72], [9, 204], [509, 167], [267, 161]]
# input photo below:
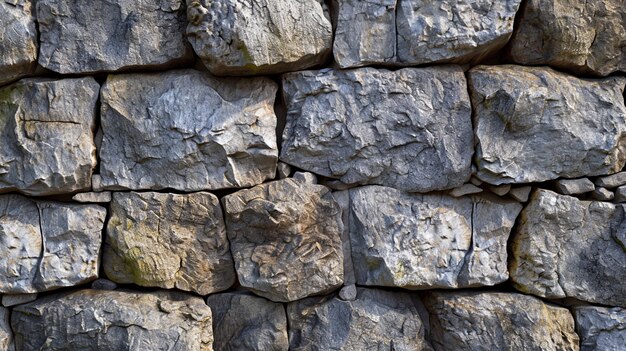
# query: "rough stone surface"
[[348, 292], [575, 186], [47, 245], [603, 194], [521, 194], [375, 320], [114, 320], [465, 189], [6, 334], [286, 239], [103, 284], [167, 241], [17, 299], [18, 40], [242, 37], [500, 190], [581, 36], [493, 321], [409, 129], [92, 197], [306, 177], [620, 194], [109, 35], [187, 131], [420, 241], [535, 124], [564, 247], [600, 328], [283, 170], [46, 133], [247, 322], [612, 181]]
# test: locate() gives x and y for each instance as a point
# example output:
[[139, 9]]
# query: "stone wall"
[[310, 175]]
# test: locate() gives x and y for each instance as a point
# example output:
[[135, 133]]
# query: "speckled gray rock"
[[620, 194], [247, 322], [581, 36], [465, 189], [491, 321], [409, 129], [600, 328], [612, 181], [6, 334], [244, 37], [521, 194], [535, 124], [376, 320], [187, 131], [9, 300], [47, 245], [603, 194], [425, 241], [18, 40], [108, 35], [92, 197], [575, 186], [112, 321], [564, 247], [46, 133], [168, 241], [285, 238]]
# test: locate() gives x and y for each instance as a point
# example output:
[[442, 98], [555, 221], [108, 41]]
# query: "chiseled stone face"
[[565, 247], [285, 238], [47, 245], [18, 37], [46, 133], [103, 320], [600, 328], [534, 124], [168, 241], [408, 129], [251, 37], [187, 131]]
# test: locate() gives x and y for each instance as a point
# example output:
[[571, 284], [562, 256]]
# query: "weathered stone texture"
[[580, 36], [534, 124], [564, 247], [168, 241], [46, 133], [491, 321], [409, 129], [376, 320], [247, 37], [47, 245], [112, 321], [109, 35], [600, 328], [6, 334], [285, 238], [187, 131], [247, 322], [18, 39], [425, 241]]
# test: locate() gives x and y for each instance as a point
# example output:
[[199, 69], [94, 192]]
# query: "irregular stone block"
[[114, 320], [376, 320], [103, 284], [168, 241], [521, 194], [247, 322], [243, 37], [187, 131], [47, 245], [46, 133], [420, 241], [620, 194], [18, 50], [409, 129], [109, 35], [612, 181], [603, 194], [101, 197], [564, 247], [534, 124], [600, 328], [575, 186], [465, 189], [580, 36], [498, 321], [17, 299], [285, 238], [6, 334]]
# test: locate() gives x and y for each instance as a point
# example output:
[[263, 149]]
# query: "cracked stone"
[[18, 50], [600, 328], [6, 334]]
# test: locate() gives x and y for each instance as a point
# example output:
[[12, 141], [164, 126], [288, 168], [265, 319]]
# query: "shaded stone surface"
[[47, 245], [409, 129], [534, 124], [285, 238], [376, 320], [6, 334], [18, 48], [603, 194], [102, 197], [564, 247], [114, 320], [109, 35], [247, 322], [612, 181], [575, 186], [581, 36], [187, 131], [9, 300], [46, 133], [600, 328], [498, 321], [246, 37], [421, 241]]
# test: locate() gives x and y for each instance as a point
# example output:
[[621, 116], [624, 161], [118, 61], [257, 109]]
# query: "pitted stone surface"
[[168, 241], [285, 238], [409, 129], [187, 131], [18, 39], [600, 328], [6, 334]]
